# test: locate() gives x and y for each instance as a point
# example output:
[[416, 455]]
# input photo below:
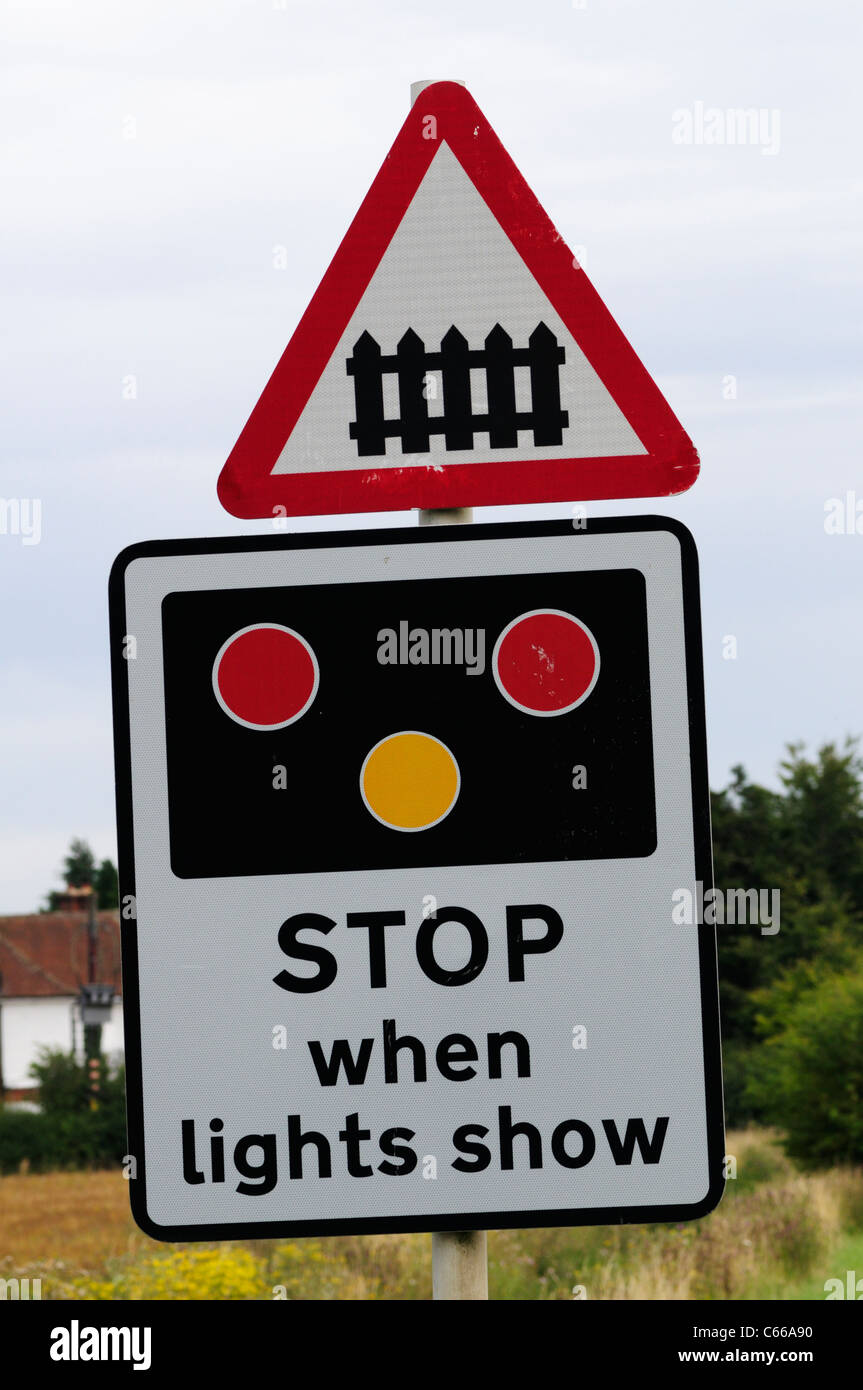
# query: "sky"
[[154, 157]]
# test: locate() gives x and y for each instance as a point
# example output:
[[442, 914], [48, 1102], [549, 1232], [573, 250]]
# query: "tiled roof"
[[45, 953]]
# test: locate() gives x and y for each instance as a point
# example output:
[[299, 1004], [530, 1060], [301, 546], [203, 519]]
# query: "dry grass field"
[[777, 1234]]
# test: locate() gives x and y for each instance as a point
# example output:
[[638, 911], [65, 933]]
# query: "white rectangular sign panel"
[[406, 819]]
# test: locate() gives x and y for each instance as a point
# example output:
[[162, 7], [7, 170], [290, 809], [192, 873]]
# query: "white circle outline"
[[409, 829], [269, 627], [536, 613]]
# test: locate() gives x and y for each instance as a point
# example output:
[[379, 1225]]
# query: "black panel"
[[517, 802]]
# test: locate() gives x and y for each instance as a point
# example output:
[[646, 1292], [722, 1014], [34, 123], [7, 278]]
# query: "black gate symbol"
[[458, 424]]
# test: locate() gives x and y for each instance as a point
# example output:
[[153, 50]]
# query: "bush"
[[66, 1133], [811, 1077], [761, 1162], [63, 1085], [42, 1143], [739, 1062], [24, 1140]]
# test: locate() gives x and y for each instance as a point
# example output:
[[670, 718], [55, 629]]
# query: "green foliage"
[[79, 869], [739, 1060], [79, 866], [63, 1085], [41, 1144], [67, 1132], [824, 816], [25, 1139], [807, 842], [107, 886], [810, 1075], [760, 1162], [777, 992]]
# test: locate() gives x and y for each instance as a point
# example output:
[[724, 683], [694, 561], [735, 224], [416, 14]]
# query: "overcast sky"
[[153, 156]]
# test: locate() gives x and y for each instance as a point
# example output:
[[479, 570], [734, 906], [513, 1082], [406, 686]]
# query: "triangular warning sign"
[[455, 354]]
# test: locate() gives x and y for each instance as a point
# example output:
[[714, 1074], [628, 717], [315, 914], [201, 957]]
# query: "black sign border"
[[708, 964]]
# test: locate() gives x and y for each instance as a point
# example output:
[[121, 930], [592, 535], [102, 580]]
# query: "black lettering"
[[497, 1042], [374, 923], [392, 1044], [297, 1142], [480, 1153], [508, 1131], [352, 1136], [341, 1056], [518, 946], [190, 1172], [588, 1144], [623, 1149], [407, 1159], [452, 1053], [300, 950], [478, 946], [266, 1170], [217, 1151]]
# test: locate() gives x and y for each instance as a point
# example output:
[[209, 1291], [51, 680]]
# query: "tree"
[[79, 866], [806, 840], [80, 870], [810, 1078], [823, 812], [107, 886], [748, 851]]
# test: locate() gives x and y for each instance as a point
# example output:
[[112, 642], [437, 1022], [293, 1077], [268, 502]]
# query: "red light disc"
[[265, 676], [545, 662]]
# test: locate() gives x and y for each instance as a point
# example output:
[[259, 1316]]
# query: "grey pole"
[[459, 1258], [459, 1265]]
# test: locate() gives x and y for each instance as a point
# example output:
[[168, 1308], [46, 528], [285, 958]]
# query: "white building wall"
[[113, 1046], [28, 1024]]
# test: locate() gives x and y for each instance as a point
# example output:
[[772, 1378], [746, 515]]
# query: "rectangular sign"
[[404, 816]]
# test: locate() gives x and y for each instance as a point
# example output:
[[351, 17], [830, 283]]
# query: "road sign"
[[404, 816], [455, 353]]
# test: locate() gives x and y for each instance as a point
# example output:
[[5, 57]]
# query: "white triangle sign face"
[[434, 253], [455, 354]]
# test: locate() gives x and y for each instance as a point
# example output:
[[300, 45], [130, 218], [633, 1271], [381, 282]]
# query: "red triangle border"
[[247, 488]]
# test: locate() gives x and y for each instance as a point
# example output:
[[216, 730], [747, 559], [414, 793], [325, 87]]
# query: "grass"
[[778, 1234], [848, 1254]]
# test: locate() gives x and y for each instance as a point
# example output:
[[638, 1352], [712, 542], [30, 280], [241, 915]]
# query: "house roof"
[[45, 954]]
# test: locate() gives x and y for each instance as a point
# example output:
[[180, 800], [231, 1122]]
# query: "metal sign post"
[[459, 1258]]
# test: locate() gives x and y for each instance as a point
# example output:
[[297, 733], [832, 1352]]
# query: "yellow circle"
[[410, 781]]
